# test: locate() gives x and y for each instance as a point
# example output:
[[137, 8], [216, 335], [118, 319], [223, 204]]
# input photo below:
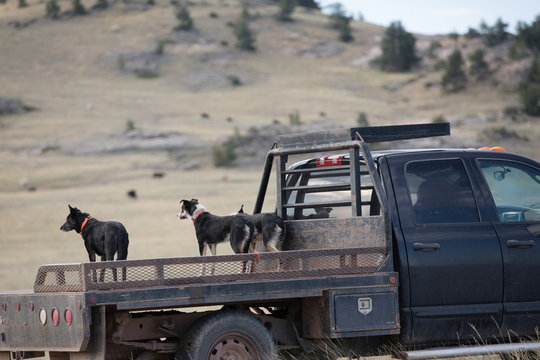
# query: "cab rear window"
[[323, 190]]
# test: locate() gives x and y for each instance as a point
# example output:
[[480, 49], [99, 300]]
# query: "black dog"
[[103, 238], [212, 230], [268, 227]]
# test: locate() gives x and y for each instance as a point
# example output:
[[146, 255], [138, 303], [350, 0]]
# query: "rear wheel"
[[227, 335]]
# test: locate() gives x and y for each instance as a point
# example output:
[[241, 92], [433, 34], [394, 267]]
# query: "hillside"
[[99, 130]]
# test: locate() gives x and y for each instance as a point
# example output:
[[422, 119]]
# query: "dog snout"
[[181, 216], [65, 227]]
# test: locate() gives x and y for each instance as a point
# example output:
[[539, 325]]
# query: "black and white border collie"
[[268, 227], [212, 230]]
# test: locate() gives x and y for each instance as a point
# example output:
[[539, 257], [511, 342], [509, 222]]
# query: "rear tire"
[[227, 335]]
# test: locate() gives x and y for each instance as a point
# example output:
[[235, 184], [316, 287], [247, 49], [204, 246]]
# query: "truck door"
[[454, 257], [515, 196]]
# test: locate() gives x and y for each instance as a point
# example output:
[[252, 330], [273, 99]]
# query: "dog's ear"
[[241, 211], [72, 209], [195, 201]]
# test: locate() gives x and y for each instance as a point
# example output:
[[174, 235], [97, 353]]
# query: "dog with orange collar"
[[102, 238]]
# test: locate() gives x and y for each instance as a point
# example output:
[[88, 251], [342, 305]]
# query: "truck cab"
[[465, 224], [465, 227]]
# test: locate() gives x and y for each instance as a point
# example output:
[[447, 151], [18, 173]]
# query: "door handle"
[[520, 243], [418, 246]]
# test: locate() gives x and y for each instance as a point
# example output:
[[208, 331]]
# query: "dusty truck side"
[[367, 261]]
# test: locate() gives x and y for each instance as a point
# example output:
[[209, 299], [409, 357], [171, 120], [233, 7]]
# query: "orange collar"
[[197, 213], [84, 222]]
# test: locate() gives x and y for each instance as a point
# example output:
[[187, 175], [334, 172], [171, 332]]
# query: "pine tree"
[[184, 18], [529, 35], [244, 36], [345, 32], [496, 34], [479, 67], [337, 12], [52, 9], [454, 78], [529, 91], [310, 4], [341, 22], [398, 49], [78, 7], [286, 8]]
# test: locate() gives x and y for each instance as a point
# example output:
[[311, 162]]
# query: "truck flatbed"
[[179, 282]]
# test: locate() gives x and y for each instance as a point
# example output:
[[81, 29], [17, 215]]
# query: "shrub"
[[511, 111], [530, 98], [479, 67], [454, 78], [130, 125], [433, 46], [362, 119], [439, 119], [224, 154], [529, 90], [52, 10], [496, 34], [310, 4], [184, 18], [234, 80], [337, 12], [340, 21], [345, 32], [78, 7], [286, 8], [529, 35], [472, 33], [518, 50], [439, 65], [160, 46], [454, 36], [244, 36], [398, 49], [294, 118]]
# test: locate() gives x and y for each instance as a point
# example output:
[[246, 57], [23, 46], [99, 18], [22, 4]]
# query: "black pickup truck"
[[416, 247]]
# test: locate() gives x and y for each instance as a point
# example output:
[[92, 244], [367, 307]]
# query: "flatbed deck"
[[189, 281]]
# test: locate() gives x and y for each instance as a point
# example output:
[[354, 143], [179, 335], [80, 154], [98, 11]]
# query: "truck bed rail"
[[134, 274]]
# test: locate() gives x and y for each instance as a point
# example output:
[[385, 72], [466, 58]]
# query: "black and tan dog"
[[102, 238], [212, 230]]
